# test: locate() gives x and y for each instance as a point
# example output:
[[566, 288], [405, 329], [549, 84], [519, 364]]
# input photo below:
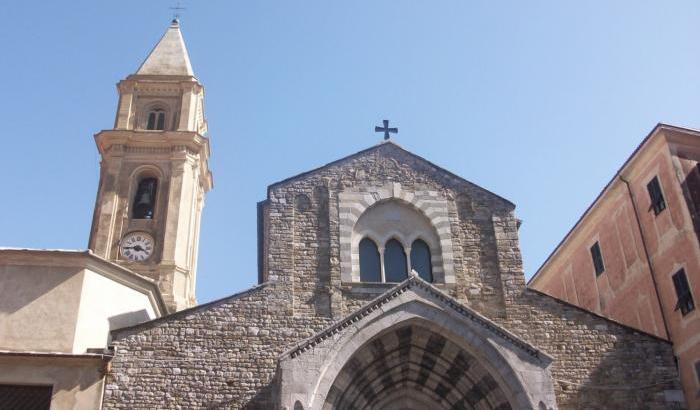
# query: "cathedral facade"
[[385, 282]]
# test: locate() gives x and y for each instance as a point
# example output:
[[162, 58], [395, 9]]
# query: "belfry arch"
[[415, 342]]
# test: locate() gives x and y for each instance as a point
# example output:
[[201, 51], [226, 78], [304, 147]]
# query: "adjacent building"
[[634, 255]]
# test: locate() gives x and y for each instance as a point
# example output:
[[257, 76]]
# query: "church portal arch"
[[411, 366], [410, 346]]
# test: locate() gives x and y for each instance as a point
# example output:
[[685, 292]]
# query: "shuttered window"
[[597, 259], [685, 298], [658, 203]]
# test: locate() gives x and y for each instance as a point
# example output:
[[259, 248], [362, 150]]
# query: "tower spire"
[[169, 56]]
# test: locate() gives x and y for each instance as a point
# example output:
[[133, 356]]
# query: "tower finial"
[[176, 12]]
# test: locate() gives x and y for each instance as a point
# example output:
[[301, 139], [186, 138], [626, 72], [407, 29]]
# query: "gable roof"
[[387, 143], [169, 56], [437, 296], [184, 312], [87, 259]]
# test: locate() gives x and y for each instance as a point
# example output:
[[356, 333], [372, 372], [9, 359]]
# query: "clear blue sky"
[[539, 102]]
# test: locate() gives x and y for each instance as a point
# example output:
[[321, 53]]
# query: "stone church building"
[[385, 282]]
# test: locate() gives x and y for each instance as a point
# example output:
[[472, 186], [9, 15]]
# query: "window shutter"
[[685, 298], [656, 196], [597, 257]]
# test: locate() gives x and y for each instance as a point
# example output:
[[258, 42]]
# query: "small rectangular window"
[[658, 203], [597, 259], [685, 298]]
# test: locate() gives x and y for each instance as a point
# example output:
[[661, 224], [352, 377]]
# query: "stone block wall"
[[224, 355], [597, 363], [219, 355]]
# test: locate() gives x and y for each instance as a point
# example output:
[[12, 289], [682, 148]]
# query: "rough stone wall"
[[598, 364], [219, 355], [224, 355], [311, 254]]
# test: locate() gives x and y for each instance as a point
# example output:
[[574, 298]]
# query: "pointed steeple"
[[169, 56]]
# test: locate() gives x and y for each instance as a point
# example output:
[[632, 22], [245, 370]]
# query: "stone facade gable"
[[393, 150], [305, 220]]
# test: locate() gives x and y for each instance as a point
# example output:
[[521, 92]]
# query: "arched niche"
[[137, 178]]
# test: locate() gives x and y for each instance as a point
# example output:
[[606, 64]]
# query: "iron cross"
[[176, 11], [386, 130]]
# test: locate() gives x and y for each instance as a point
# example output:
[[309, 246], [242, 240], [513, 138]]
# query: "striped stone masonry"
[[431, 204]]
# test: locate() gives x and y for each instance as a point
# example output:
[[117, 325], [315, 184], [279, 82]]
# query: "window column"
[[381, 261]]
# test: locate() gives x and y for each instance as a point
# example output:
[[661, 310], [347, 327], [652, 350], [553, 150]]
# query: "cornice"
[[158, 142], [103, 357], [155, 79], [144, 138]]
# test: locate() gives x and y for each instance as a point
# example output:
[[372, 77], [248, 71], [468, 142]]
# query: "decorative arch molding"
[[430, 204], [309, 372], [146, 170]]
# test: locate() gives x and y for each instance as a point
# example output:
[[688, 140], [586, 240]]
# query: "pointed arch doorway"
[[412, 348], [410, 368]]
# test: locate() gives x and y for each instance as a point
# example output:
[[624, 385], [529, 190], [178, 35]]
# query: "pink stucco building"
[[634, 255]]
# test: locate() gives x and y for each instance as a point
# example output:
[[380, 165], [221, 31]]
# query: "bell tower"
[[154, 173]]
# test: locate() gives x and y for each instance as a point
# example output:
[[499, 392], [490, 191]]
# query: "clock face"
[[137, 246]]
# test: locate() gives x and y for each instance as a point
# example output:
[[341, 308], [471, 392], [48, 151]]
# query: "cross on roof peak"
[[386, 130]]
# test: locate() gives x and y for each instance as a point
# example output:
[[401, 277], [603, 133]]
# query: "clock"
[[137, 246]]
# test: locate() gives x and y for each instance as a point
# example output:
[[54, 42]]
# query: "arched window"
[[156, 119], [145, 199], [370, 265], [395, 262], [420, 260]]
